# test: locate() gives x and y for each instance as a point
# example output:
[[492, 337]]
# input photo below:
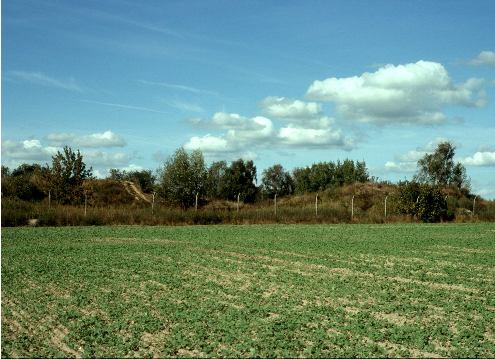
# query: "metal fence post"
[[316, 205], [386, 207], [352, 208], [275, 205]]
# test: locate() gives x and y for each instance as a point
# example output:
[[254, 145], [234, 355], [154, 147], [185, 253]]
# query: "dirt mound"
[[136, 192]]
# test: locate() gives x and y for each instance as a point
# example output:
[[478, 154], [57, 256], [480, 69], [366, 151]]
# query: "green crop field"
[[275, 290]]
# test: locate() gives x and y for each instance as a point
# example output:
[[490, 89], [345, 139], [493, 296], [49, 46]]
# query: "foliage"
[[425, 201], [324, 175], [277, 181], [183, 177], [215, 180], [403, 290], [239, 179], [24, 182], [438, 168], [67, 175]]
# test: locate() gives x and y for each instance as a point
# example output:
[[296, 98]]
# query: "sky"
[[289, 82]]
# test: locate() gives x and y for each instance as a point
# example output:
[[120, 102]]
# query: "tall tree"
[[439, 168], [276, 181], [67, 175], [183, 177], [240, 179], [215, 179]]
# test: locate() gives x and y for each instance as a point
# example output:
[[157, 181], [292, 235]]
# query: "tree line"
[[185, 180]]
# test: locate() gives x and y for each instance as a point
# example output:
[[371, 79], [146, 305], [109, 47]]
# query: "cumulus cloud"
[[484, 58], [41, 79], [106, 159], [282, 107], [240, 132], [104, 139], [60, 138], [414, 93], [260, 132], [400, 167], [486, 158], [208, 144], [408, 161], [309, 137], [14, 153], [98, 139], [30, 151]]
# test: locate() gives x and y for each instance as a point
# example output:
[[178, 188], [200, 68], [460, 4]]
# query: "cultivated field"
[[274, 290]]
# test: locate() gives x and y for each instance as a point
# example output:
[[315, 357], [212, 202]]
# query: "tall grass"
[[333, 207]]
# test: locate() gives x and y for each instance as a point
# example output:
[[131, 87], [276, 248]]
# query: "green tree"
[[215, 179], [67, 175], [23, 182], [182, 177], [276, 181], [425, 201], [439, 168], [240, 179], [302, 180]]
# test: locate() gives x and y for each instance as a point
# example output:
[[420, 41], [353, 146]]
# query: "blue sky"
[[290, 82]]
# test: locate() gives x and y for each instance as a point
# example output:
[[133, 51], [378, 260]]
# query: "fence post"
[[196, 203], [85, 202], [474, 203], [352, 208], [153, 204], [49, 199], [275, 205], [386, 207], [316, 205], [238, 195]]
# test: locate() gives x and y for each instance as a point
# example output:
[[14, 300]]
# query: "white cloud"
[[259, 132], [480, 159], [208, 144], [282, 107], [104, 139], [309, 137], [393, 166], [41, 79], [484, 58], [414, 93], [15, 153], [407, 162], [240, 131], [60, 138], [106, 159]]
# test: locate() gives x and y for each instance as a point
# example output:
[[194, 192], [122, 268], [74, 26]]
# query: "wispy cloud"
[[178, 87], [129, 107], [39, 78], [185, 106]]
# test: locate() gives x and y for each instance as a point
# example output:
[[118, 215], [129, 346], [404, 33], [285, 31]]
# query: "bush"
[[424, 201]]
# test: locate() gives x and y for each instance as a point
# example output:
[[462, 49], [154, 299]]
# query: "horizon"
[[271, 82]]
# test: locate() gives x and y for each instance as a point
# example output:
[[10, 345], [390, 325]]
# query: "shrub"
[[424, 201]]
